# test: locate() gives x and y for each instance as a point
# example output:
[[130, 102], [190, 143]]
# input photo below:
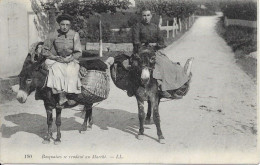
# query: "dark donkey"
[[146, 89], [33, 77]]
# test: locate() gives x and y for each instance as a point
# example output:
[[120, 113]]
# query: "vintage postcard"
[[129, 81]]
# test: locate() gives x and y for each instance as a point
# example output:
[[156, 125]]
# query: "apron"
[[63, 77]]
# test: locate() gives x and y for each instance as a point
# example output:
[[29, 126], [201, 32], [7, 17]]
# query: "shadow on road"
[[118, 119], [36, 124], [103, 118]]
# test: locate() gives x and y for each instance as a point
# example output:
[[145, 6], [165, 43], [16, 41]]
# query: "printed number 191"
[[27, 156]]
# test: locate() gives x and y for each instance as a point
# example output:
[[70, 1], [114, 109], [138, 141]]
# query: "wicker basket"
[[95, 86], [120, 76]]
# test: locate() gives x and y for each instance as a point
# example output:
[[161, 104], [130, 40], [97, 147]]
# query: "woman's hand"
[[59, 59], [68, 60], [64, 60]]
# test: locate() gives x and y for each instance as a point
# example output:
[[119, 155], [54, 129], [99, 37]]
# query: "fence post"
[[174, 27], [100, 39], [186, 24], [188, 21], [226, 21], [180, 28], [160, 22], [168, 31]]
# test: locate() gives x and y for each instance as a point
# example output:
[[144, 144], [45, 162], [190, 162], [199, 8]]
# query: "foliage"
[[86, 14], [93, 31], [209, 9], [243, 41], [239, 38], [81, 10], [245, 10], [173, 8]]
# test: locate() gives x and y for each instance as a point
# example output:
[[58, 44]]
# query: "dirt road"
[[215, 122]]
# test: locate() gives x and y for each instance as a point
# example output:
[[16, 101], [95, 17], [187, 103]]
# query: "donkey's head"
[[144, 63], [31, 77]]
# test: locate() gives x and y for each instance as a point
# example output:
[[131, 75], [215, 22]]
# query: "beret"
[[64, 17]]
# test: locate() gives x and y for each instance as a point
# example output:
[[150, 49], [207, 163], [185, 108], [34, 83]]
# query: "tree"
[[80, 10], [172, 8]]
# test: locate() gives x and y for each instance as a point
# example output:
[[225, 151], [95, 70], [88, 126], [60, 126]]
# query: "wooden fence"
[[178, 26], [239, 22]]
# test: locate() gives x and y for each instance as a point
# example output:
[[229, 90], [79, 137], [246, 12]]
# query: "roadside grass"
[[243, 41]]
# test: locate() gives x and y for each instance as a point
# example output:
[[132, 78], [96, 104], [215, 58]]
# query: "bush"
[[240, 10], [240, 39], [204, 12]]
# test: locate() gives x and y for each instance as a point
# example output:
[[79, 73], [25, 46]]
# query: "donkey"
[[146, 89], [33, 77]]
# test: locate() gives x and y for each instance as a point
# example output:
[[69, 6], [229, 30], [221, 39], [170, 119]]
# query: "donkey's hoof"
[[162, 141], [45, 141], [140, 137], [57, 142], [89, 127], [82, 131], [147, 121]]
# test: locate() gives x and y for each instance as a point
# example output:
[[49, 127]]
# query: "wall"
[[239, 22], [17, 31]]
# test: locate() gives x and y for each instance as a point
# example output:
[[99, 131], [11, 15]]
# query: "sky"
[[133, 2]]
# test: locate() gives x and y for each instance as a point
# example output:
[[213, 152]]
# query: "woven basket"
[[95, 86], [120, 76]]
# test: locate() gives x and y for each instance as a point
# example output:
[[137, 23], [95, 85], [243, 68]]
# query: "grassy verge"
[[243, 41]]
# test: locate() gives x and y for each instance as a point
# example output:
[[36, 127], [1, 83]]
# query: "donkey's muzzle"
[[21, 96], [145, 75]]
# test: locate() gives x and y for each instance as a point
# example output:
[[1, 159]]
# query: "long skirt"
[[63, 77], [170, 75]]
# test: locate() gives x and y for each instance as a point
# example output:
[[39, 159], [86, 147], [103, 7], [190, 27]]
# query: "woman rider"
[[170, 76], [62, 50]]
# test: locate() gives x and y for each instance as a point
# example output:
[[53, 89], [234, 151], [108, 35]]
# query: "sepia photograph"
[[129, 81]]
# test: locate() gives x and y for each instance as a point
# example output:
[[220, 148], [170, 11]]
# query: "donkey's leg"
[[88, 113], [149, 112], [141, 115], [90, 119], [156, 119], [58, 124], [49, 123]]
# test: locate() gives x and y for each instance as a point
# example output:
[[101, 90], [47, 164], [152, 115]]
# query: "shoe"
[[187, 66], [130, 93], [176, 96], [62, 98], [71, 102], [165, 94]]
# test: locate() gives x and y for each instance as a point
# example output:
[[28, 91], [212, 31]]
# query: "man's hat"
[[64, 17]]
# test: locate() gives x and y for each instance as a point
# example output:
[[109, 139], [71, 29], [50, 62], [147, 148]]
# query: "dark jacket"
[[143, 33]]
